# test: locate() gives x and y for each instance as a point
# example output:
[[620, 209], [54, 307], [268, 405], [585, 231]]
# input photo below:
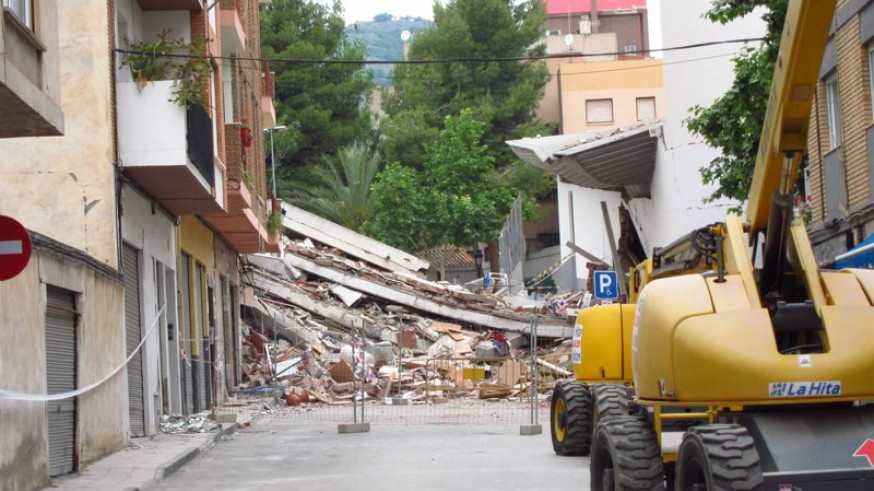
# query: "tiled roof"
[[456, 258]]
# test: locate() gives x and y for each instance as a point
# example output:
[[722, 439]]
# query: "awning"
[[618, 159], [861, 256]]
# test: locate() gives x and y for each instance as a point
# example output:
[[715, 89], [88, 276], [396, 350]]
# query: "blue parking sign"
[[606, 285]]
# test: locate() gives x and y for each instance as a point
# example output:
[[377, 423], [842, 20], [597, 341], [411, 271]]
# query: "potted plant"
[[274, 222], [246, 137], [174, 59]]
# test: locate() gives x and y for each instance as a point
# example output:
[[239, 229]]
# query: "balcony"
[[233, 34], [168, 149], [29, 76], [240, 226], [151, 5]]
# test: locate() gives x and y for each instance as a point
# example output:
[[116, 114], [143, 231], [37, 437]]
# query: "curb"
[[185, 457]]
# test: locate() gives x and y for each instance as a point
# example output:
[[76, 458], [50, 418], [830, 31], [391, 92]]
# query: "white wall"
[[584, 226], [154, 235], [692, 77]]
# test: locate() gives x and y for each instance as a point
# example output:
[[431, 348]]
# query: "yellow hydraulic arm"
[[784, 133]]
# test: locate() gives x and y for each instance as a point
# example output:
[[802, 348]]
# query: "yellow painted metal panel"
[[866, 279], [796, 74], [732, 357], [663, 305], [844, 289], [600, 343], [737, 259], [806, 261], [728, 295]]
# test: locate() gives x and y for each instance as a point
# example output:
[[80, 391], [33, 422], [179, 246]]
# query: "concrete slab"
[[353, 428], [530, 429]]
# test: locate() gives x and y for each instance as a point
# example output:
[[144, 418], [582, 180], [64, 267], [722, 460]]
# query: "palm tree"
[[342, 187]]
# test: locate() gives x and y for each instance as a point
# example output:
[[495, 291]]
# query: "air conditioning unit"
[[553, 32], [585, 25]]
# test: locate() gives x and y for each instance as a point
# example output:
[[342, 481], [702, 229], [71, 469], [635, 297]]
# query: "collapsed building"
[[337, 303]]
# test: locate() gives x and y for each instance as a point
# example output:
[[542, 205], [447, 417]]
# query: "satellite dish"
[[569, 40], [405, 36]]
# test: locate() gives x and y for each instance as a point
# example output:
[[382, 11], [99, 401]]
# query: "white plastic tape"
[[20, 396]]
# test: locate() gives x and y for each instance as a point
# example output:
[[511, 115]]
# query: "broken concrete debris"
[[196, 423], [416, 339]]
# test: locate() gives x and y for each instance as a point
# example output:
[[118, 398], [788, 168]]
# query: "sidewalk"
[[147, 461], [144, 463]]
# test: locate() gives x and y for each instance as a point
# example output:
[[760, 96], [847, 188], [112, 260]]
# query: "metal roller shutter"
[[61, 377], [133, 330], [185, 333]]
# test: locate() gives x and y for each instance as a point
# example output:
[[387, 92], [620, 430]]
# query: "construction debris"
[[331, 322], [195, 423]]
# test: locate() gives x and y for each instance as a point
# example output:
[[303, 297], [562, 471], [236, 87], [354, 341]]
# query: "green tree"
[[733, 123], [451, 201], [502, 95], [321, 103], [341, 192]]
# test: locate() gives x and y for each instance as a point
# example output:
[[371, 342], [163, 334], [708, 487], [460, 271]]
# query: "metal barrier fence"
[[435, 390], [438, 390]]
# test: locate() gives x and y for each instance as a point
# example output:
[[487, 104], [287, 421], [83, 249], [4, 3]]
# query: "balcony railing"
[[200, 149]]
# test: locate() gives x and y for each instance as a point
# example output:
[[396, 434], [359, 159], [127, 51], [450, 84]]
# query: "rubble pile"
[[416, 339], [196, 423]]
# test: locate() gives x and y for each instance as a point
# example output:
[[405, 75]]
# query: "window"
[[599, 111], [23, 9], [834, 112], [871, 71], [631, 48], [646, 108]]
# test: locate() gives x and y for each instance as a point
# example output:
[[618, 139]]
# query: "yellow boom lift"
[[773, 364]]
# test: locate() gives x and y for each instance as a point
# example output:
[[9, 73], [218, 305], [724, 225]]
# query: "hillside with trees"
[[382, 38]]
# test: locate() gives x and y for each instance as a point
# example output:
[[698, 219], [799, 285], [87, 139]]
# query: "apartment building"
[[139, 202], [624, 143], [840, 176]]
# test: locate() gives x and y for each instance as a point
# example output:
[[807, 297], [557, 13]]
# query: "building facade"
[[138, 208], [840, 177], [630, 149]]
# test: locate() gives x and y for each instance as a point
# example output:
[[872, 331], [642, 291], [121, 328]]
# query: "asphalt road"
[[279, 453]]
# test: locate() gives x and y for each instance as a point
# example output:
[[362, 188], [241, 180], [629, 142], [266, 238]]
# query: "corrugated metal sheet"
[[619, 159], [133, 331], [61, 377]]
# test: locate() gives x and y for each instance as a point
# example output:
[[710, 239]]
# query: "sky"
[[361, 10]]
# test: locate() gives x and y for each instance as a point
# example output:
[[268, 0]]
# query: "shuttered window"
[[599, 111], [646, 108]]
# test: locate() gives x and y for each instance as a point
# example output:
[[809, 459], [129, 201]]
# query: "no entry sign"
[[14, 247]]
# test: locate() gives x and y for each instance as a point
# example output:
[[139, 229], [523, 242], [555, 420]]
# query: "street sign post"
[[14, 248], [606, 285]]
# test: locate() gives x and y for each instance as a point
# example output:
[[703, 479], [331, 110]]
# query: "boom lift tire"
[[626, 456], [611, 401], [716, 457], [571, 418]]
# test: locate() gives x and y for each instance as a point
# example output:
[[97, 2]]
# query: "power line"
[[311, 61]]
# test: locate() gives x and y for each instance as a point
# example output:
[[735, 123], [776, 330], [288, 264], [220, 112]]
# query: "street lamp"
[[273, 156]]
